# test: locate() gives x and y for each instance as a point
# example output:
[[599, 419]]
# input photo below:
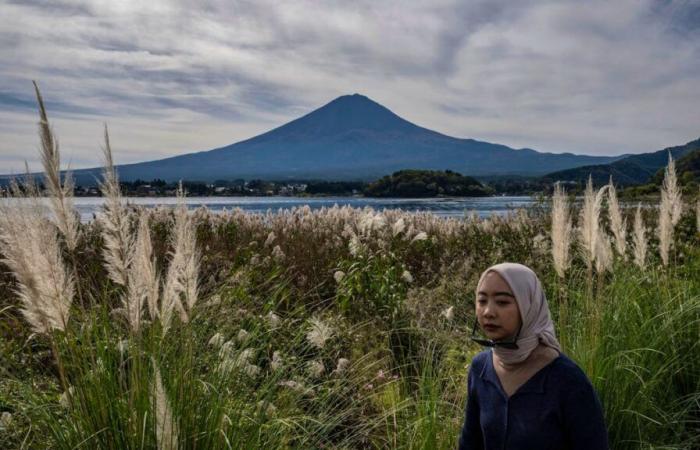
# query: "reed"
[[639, 239], [60, 193], [301, 329], [617, 223], [561, 231]]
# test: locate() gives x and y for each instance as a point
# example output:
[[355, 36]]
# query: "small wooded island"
[[426, 183]]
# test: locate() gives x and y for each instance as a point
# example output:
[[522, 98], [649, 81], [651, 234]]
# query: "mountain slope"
[[631, 170], [351, 137]]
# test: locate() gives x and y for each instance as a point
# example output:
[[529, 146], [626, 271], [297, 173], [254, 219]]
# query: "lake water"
[[444, 207]]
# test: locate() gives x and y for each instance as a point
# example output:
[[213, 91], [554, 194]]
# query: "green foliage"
[[426, 183], [635, 335]]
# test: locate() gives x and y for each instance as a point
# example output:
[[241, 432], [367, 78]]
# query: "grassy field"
[[338, 328]]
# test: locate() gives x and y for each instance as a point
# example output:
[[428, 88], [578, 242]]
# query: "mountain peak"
[[347, 113]]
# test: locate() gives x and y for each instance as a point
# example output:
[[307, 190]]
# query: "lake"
[[444, 207]]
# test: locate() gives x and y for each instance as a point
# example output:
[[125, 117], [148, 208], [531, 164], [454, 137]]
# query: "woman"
[[524, 393]]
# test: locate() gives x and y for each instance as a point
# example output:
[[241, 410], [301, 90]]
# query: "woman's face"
[[496, 309]]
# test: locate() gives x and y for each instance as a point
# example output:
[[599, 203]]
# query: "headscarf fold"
[[537, 326]]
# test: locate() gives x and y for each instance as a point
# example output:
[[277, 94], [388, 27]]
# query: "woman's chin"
[[494, 336]]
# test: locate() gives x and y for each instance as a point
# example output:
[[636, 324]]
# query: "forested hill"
[[631, 170], [426, 183]]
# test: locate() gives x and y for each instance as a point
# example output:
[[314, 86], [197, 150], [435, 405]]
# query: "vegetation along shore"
[[336, 328]]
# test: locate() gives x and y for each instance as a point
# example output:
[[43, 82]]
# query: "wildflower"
[[214, 300], [539, 244], [123, 346], [319, 333], [5, 420], [226, 350], [341, 366], [277, 361], [242, 335], [251, 370], [398, 227], [338, 276], [355, 246], [448, 313], [316, 368], [295, 386], [273, 319], [267, 407], [270, 239], [561, 231], [420, 237], [278, 254], [217, 340], [407, 277], [65, 399]]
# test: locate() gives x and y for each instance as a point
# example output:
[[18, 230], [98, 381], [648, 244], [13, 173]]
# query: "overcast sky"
[[594, 77]]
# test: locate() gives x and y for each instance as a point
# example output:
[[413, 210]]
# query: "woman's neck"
[[541, 352]]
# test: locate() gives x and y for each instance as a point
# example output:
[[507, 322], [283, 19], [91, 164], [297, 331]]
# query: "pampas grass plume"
[[166, 427], [670, 209], [590, 221], [561, 230], [639, 238], [30, 248], [61, 194], [118, 240], [617, 223], [181, 281]]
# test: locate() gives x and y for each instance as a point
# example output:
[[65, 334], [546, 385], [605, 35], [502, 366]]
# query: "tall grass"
[[337, 328]]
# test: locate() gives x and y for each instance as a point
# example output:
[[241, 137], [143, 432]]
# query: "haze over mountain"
[[350, 138]]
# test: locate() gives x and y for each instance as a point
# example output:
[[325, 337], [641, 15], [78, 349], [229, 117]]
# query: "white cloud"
[[170, 77]]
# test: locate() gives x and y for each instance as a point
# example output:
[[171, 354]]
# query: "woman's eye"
[[481, 301]]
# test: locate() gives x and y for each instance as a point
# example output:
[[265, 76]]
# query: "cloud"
[[170, 77]]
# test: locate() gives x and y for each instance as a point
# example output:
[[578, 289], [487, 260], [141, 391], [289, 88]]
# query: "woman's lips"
[[491, 327]]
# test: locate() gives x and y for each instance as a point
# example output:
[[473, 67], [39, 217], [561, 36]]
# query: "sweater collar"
[[535, 385]]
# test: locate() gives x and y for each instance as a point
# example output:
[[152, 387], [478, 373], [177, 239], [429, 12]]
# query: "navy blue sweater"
[[556, 409]]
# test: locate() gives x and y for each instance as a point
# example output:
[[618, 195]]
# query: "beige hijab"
[[537, 324]]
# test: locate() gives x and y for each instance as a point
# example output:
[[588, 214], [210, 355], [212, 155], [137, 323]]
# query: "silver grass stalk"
[[181, 280], [639, 239], [697, 213], [671, 190], [590, 221], [166, 427], [142, 287], [603, 260], [60, 194], [665, 227], [561, 230], [114, 220], [617, 223], [31, 249]]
